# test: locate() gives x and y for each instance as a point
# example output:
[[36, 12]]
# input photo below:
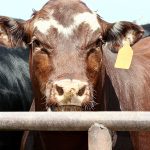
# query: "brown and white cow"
[[70, 53]]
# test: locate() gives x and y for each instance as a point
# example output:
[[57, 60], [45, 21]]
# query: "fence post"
[[99, 138]]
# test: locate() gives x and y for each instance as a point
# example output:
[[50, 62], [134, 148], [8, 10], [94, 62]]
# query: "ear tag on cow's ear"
[[124, 57]]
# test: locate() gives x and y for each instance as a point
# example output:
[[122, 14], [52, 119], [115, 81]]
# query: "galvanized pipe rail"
[[74, 121]]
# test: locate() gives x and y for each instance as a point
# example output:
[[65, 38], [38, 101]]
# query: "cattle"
[[132, 86], [72, 52], [17, 97], [146, 28], [15, 85]]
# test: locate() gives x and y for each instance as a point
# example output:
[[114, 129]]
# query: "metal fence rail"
[[74, 121]]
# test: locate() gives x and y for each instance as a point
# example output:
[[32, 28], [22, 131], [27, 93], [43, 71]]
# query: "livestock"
[[69, 45], [15, 85], [16, 93], [146, 28], [132, 86]]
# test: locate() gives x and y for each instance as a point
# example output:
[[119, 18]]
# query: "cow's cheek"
[[93, 68], [42, 69]]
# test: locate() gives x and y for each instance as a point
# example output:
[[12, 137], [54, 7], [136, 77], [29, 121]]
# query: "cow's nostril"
[[81, 91], [59, 90]]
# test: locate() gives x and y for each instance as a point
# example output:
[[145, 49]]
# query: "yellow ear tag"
[[124, 57]]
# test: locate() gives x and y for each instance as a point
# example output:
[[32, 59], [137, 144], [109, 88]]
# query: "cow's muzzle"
[[67, 95]]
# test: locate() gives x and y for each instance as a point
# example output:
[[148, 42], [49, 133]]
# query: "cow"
[[132, 86], [15, 85], [146, 28], [70, 57], [19, 98]]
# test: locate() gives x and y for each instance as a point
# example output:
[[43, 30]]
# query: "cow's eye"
[[91, 50], [98, 42], [41, 47], [36, 43], [93, 46]]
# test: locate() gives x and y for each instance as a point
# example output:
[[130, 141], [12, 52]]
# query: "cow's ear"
[[14, 29], [4, 39], [118, 33]]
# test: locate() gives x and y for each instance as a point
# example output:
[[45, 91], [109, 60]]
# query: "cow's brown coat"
[[83, 52]]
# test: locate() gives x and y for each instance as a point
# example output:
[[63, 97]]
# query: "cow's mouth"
[[65, 108]]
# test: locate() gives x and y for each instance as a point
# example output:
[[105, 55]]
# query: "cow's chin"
[[87, 105], [65, 108]]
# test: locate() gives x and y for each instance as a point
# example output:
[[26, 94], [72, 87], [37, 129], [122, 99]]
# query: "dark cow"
[[146, 28], [15, 85], [70, 53]]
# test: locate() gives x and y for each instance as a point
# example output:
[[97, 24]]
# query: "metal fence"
[[93, 122]]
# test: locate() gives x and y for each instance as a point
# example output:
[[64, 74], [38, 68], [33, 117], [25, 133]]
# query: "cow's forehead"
[[43, 25], [66, 21]]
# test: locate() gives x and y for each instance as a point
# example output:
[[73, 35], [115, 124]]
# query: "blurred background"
[[110, 10]]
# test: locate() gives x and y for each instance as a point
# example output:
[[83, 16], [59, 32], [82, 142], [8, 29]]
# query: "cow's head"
[[65, 40]]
